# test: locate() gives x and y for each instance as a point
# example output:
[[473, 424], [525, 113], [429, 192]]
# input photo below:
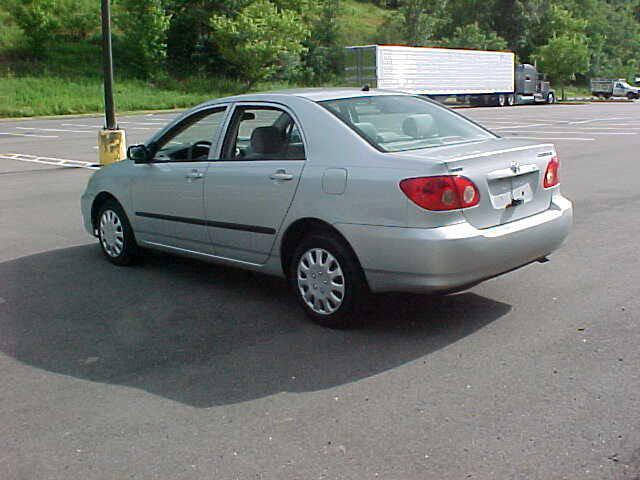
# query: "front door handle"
[[281, 175], [194, 175]]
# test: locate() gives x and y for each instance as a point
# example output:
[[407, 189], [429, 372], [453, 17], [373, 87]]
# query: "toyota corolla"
[[341, 191]]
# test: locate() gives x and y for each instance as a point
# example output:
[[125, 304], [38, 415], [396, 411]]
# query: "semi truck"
[[480, 77], [607, 88]]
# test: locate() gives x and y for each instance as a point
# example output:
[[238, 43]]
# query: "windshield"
[[394, 123]]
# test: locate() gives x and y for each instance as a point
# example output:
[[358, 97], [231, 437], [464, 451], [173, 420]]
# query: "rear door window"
[[262, 133]]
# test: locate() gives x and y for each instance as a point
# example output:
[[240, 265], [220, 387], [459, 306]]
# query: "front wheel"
[[551, 98], [328, 281], [115, 234]]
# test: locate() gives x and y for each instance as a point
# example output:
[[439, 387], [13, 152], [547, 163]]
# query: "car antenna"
[[366, 88]]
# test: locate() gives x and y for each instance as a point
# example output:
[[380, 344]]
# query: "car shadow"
[[206, 335]]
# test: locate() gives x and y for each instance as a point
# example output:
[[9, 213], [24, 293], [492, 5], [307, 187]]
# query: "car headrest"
[[368, 129], [267, 140], [419, 126]]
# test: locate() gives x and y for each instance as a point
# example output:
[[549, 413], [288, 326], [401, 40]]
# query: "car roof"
[[313, 94]]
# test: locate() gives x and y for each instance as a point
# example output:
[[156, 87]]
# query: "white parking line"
[[28, 135], [60, 162], [100, 126], [144, 123], [596, 120], [524, 126], [555, 138], [80, 125], [54, 130], [609, 128], [576, 133]]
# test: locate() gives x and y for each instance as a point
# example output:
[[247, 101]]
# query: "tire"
[[339, 300], [115, 235], [511, 100], [551, 98], [502, 100], [631, 95]]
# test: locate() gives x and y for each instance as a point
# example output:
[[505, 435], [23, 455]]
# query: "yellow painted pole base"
[[112, 146]]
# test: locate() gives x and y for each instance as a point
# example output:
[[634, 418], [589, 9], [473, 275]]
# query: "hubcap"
[[320, 281], [111, 233]]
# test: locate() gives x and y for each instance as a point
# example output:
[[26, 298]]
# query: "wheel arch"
[[98, 201], [296, 231]]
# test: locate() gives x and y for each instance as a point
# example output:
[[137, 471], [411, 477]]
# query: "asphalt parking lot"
[[176, 369]]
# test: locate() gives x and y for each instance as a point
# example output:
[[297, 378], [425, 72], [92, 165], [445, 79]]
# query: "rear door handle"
[[281, 175], [194, 175]]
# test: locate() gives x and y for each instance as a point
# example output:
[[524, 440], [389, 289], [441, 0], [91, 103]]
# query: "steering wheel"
[[200, 143]]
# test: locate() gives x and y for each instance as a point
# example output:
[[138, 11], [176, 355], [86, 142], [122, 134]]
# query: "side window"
[[191, 140], [262, 133]]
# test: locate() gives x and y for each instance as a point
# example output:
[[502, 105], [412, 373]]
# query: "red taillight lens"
[[551, 178], [447, 192]]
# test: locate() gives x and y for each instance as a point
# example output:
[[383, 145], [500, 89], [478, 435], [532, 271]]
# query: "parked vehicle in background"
[[531, 86], [607, 88], [480, 77]]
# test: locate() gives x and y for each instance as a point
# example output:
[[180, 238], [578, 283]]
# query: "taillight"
[[447, 192], [551, 178]]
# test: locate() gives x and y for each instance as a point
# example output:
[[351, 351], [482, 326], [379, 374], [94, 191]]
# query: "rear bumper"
[[455, 257]]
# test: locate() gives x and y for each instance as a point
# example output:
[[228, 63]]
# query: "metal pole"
[[109, 106]]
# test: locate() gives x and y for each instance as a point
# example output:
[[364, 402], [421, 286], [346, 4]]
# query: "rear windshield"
[[394, 123]]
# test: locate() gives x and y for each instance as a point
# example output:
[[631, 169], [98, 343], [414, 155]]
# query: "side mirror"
[[139, 154]]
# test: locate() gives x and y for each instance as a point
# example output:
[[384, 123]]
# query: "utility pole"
[[111, 141], [107, 62]]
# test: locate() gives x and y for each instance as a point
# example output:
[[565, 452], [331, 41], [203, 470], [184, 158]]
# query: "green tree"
[[562, 57], [472, 36], [257, 38], [419, 21], [144, 25], [38, 22], [324, 56]]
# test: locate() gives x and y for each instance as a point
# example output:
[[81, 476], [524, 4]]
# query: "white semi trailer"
[[482, 77]]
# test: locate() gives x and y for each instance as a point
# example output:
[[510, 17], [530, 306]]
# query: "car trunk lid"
[[508, 174]]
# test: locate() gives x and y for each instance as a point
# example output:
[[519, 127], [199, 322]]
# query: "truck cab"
[[622, 89], [531, 86]]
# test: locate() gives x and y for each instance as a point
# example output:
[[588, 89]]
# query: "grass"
[[31, 95], [360, 21], [572, 91], [28, 96], [69, 81]]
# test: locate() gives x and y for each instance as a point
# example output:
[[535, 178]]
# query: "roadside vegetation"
[[175, 53]]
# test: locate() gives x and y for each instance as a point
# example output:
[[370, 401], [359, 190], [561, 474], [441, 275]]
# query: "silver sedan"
[[343, 192]]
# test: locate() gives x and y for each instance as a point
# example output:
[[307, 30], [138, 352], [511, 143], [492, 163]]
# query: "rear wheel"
[[115, 234], [511, 100], [328, 281], [502, 100]]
